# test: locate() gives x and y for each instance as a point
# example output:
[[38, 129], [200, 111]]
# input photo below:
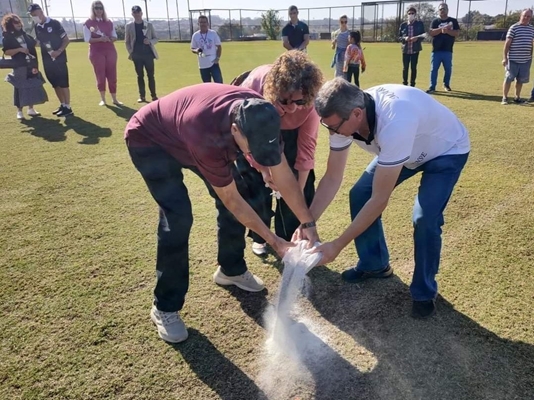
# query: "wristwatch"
[[308, 225]]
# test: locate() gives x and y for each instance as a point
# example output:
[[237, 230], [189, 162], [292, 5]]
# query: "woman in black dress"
[[26, 79]]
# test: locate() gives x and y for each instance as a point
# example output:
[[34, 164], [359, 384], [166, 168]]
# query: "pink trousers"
[[104, 62]]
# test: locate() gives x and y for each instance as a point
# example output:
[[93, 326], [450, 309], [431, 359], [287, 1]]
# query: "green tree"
[[271, 23], [228, 31], [426, 12], [505, 23]]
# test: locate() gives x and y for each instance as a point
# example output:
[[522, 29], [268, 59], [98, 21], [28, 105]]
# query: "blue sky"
[[157, 8]]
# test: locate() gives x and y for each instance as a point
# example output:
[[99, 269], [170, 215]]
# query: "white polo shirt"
[[411, 128], [208, 42]]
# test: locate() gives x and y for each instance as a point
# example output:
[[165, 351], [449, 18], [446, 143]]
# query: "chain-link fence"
[[377, 20]]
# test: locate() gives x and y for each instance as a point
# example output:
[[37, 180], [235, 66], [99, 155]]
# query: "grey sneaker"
[[170, 326], [504, 101], [246, 281], [260, 249]]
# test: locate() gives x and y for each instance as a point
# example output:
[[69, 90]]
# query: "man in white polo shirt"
[[410, 132], [206, 44]]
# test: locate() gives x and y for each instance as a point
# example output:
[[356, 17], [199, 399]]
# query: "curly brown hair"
[[8, 22], [291, 72]]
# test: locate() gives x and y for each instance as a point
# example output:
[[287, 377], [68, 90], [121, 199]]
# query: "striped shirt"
[[522, 38], [341, 38]]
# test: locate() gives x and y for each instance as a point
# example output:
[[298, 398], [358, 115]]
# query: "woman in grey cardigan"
[[26, 78], [411, 34]]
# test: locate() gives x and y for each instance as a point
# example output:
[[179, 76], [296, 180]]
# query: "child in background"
[[354, 58]]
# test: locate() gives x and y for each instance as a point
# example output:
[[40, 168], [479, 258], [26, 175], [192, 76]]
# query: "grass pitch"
[[77, 251]]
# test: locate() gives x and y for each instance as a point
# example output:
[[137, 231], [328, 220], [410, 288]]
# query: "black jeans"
[[353, 70], [285, 222], [408, 59], [142, 62], [164, 178]]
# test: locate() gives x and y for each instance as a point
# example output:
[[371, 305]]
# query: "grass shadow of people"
[[51, 130], [215, 370], [252, 303], [470, 96], [122, 111], [91, 132], [449, 356]]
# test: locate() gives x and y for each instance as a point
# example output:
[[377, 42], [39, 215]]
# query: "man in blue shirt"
[[444, 31], [296, 34]]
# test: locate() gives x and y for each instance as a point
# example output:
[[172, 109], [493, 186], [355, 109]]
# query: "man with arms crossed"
[[296, 34], [517, 56], [202, 128], [53, 41], [410, 132]]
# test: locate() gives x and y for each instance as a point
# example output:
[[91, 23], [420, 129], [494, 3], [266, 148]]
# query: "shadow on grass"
[[469, 96], [449, 356], [55, 130], [253, 304], [123, 111], [215, 370]]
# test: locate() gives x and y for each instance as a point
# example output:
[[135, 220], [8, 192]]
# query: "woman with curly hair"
[[25, 78], [290, 84]]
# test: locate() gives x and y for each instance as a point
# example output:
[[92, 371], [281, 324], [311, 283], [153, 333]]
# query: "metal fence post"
[[178, 17]]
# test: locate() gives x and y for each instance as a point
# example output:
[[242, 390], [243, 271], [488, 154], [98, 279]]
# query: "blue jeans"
[[438, 58], [213, 72], [163, 175], [437, 183]]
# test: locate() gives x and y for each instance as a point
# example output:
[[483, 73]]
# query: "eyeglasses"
[[411, 13], [285, 102], [98, 8], [343, 22], [332, 129], [442, 9]]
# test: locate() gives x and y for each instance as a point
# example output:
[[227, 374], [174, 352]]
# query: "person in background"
[[27, 82], [354, 58], [409, 133], [140, 38], [517, 56], [290, 83], [53, 41], [411, 35], [444, 30], [202, 128], [206, 44], [340, 42], [296, 34], [100, 33]]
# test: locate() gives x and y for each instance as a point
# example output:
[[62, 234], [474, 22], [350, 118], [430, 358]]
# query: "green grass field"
[[78, 248]]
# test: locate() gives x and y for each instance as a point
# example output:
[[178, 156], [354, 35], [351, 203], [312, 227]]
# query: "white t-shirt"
[[208, 42], [411, 128]]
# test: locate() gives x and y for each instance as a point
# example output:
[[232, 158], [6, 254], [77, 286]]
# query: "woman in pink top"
[[100, 33], [291, 84]]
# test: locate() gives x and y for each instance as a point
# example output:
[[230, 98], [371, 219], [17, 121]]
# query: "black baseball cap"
[[260, 123], [34, 7], [137, 9]]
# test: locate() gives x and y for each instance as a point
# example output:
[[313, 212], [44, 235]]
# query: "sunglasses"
[[442, 9], [411, 13], [98, 8], [331, 128], [285, 102], [343, 22]]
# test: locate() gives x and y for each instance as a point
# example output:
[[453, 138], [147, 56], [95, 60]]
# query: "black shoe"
[[56, 112], [66, 111], [412, 84], [423, 309], [354, 276], [141, 100], [519, 100], [431, 90], [405, 83], [154, 98], [447, 88]]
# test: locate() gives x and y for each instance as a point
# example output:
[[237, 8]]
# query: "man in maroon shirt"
[[203, 128]]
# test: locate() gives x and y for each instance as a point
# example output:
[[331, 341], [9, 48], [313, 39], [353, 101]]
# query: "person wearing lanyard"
[[411, 34], [206, 44]]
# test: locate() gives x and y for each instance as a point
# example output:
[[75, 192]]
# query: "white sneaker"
[[260, 249], [20, 115], [246, 281], [170, 326], [102, 103], [33, 113]]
